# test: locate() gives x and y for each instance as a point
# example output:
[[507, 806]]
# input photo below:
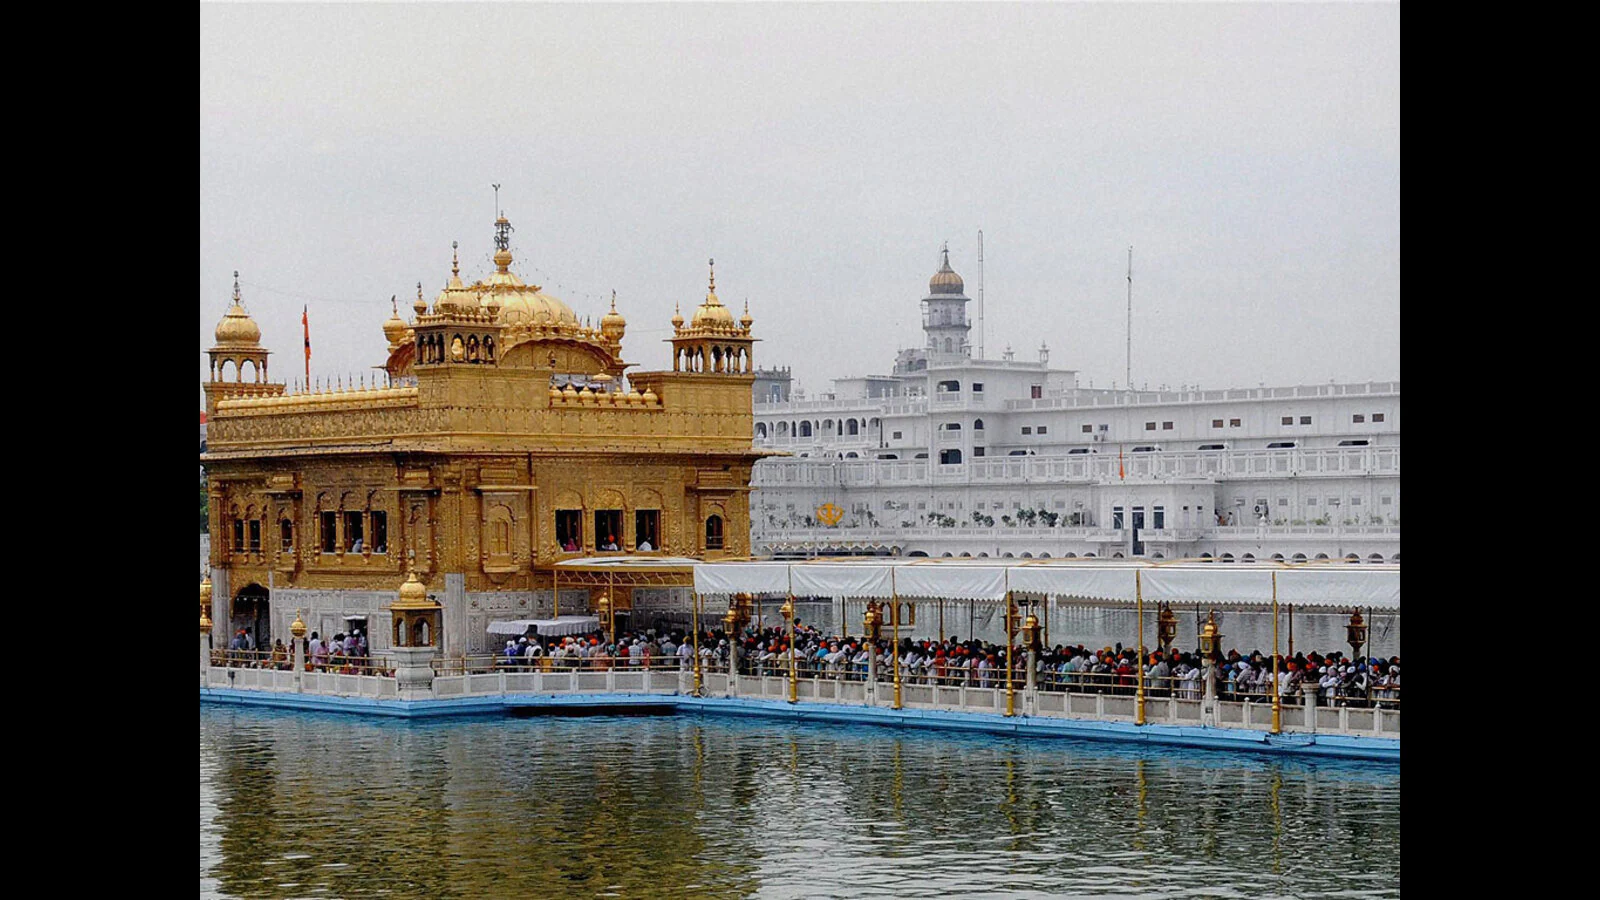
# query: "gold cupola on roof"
[[237, 329], [612, 324], [946, 281], [712, 314], [745, 321], [455, 297], [394, 327]]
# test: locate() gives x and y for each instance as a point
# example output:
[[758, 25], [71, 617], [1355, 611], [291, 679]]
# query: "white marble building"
[[951, 455]]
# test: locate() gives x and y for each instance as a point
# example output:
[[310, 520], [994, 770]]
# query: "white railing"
[[1296, 715]]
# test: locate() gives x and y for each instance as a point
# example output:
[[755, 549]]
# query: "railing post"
[[871, 692], [1308, 690], [733, 668], [205, 655], [1030, 688], [299, 664]]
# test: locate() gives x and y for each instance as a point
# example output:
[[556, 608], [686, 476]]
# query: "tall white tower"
[[944, 313]]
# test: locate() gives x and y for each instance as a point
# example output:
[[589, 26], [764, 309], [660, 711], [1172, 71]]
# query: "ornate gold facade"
[[503, 426]]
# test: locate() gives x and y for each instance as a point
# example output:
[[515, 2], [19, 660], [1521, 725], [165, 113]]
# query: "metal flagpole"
[[694, 613], [1011, 688]]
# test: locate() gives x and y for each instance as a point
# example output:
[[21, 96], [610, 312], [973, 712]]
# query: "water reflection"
[[300, 804]]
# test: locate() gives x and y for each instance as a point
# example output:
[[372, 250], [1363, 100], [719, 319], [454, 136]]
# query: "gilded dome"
[[394, 327], [612, 324], [521, 304], [413, 592], [237, 328], [712, 314], [946, 281]]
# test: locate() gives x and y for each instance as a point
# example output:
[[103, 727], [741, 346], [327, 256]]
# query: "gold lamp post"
[[606, 619], [205, 601], [787, 611], [1210, 638], [1356, 633], [1166, 628]]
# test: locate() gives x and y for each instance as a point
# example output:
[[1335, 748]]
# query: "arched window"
[[761, 429], [949, 346], [852, 427], [977, 424], [714, 533], [805, 429]]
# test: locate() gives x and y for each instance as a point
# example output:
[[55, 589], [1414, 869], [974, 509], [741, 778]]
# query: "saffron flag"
[[305, 322], [1120, 473]]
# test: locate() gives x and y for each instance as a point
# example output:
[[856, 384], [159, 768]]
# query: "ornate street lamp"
[[1166, 628], [787, 611], [1356, 634], [1210, 638], [606, 619], [871, 620]]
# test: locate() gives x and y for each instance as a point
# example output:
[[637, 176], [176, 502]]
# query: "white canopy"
[[557, 627], [1333, 584]]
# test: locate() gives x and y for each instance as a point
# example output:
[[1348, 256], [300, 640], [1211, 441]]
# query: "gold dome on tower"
[[237, 329], [712, 314], [612, 324], [518, 303], [946, 281]]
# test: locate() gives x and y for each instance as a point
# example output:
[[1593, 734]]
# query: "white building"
[[955, 456]]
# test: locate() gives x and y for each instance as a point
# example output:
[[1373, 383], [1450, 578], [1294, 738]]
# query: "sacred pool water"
[[297, 804]]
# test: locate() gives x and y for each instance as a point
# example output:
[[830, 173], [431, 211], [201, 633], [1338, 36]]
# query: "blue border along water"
[[1236, 739]]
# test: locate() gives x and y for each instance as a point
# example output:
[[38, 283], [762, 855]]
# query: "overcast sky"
[[1250, 154]]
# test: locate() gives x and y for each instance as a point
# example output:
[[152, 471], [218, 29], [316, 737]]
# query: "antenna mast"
[[1129, 373], [980, 293]]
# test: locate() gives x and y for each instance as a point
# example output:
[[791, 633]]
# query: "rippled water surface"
[[317, 805]]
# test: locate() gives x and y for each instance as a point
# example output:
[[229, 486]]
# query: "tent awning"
[[557, 627], [1336, 584]]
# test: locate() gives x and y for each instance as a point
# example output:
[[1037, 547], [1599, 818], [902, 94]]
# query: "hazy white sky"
[[821, 153]]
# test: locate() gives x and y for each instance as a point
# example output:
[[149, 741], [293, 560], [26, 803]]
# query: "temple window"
[[330, 531], [380, 531], [714, 533], [569, 529], [608, 529], [238, 535], [255, 535], [352, 532], [286, 534], [647, 528]]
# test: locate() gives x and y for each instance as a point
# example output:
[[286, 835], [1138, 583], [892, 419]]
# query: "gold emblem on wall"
[[829, 515]]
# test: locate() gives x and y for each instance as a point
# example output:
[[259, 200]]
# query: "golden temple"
[[508, 436]]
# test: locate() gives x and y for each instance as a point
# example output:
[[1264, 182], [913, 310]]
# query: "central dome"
[[237, 329], [520, 304]]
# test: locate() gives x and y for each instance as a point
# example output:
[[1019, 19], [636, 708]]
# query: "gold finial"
[[235, 285], [297, 628], [205, 622]]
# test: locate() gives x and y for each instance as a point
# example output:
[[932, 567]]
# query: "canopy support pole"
[[1138, 669], [1277, 691], [894, 625], [694, 613], [1011, 687]]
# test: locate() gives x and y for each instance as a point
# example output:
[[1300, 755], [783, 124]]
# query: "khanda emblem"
[[829, 515]]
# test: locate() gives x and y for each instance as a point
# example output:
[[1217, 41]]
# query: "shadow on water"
[[309, 804]]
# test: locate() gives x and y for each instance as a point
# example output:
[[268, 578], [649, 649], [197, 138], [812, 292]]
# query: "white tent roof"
[[557, 627], [1334, 584]]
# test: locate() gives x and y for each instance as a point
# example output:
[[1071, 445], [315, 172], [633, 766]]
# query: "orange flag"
[[305, 322], [1120, 473]]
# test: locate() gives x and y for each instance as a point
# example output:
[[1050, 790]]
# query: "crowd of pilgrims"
[[1336, 678]]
